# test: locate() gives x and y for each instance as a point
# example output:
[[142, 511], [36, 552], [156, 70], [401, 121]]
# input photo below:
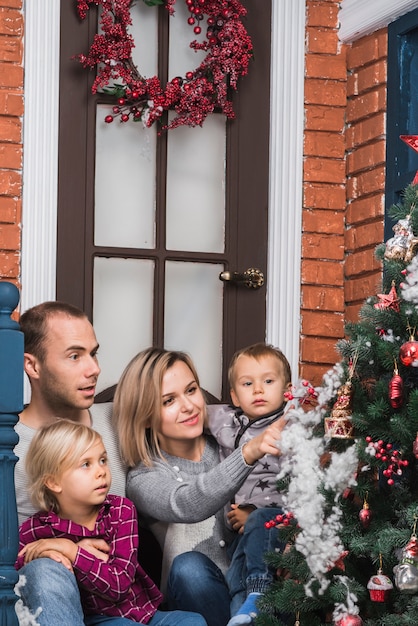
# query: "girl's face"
[[183, 407]]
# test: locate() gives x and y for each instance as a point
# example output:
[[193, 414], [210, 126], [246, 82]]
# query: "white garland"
[[24, 616], [409, 288], [318, 539]]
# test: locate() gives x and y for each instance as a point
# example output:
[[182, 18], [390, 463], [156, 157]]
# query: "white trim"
[[361, 17], [286, 177], [40, 161]]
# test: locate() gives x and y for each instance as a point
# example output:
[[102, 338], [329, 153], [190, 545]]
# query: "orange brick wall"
[[11, 112], [344, 176]]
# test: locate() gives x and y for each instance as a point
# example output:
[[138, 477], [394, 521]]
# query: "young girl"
[[93, 534], [177, 481]]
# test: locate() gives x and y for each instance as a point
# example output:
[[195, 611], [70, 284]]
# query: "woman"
[[177, 481]]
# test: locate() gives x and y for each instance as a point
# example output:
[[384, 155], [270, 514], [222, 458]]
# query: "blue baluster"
[[11, 403]]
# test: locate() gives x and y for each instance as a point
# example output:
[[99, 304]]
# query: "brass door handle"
[[252, 278]]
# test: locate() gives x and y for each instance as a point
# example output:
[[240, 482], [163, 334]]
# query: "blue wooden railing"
[[11, 403]]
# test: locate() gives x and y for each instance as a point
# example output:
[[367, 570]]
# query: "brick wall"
[[11, 112], [344, 175]]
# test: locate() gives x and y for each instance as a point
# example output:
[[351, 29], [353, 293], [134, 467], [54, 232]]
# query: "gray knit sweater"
[[181, 501]]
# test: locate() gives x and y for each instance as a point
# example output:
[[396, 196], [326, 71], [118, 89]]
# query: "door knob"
[[252, 278]]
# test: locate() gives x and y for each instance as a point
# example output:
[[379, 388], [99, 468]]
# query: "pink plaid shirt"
[[118, 587]]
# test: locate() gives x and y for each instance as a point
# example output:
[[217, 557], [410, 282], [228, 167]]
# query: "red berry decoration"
[[408, 352]]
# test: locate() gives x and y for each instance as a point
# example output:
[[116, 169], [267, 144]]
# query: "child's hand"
[[264, 443], [60, 550], [238, 516], [96, 547]]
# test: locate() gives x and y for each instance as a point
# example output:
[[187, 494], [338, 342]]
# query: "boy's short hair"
[[257, 351], [53, 450]]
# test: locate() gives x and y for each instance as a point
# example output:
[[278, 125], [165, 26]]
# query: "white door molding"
[[359, 18]]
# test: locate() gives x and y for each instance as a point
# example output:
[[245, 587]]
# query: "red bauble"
[[396, 391], [350, 620], [365, 515], [415, 447], [408, 352]]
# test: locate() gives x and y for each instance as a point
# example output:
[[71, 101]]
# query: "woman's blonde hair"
[[53, 450], [138, 402]]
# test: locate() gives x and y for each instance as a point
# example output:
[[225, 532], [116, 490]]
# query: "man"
[[61, 362]]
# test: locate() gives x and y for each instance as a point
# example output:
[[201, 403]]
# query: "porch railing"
[[11, 403]]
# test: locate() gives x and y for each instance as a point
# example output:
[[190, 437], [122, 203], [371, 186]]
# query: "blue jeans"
[[161, 618], [249, 571], [196, 584]]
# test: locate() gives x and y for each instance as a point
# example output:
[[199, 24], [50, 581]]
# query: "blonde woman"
[[92, 533], [177, 481]]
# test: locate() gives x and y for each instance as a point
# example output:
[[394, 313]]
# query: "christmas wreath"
[[193, 96]]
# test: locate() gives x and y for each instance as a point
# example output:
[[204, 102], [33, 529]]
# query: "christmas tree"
[[350, 475]]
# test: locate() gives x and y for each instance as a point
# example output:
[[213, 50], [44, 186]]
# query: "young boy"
[[259, 375]]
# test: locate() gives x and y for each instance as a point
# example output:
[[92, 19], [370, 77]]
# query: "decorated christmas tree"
[[350, 474]]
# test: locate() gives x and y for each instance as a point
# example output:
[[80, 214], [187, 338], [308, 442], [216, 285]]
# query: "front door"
[[148, 222]]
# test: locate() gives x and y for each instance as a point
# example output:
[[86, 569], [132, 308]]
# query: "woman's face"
[[183, 407]]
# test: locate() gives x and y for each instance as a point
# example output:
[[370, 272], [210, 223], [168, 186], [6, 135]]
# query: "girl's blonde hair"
[[138, 402], [53, 450]]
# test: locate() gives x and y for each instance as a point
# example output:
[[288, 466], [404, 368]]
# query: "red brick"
[[320, 143], [11, 22], [11, 103], [321, 324], [322, 298], [324, 196], [325, 66], [316, 221], [319, 246], [365, 105], [9, 265], [10, 156], [11, 49], [322, 41], [361, 262], [367, 78], [318, 350], [361, 158], [10, 129], [365, 183], [322, 14], [366, 208], [367, 49], [324, 170], [314, 373], [10, 210], [357, 290], [324, 118], [9, 237], [10, 183], [322, 273], [352, 312], [11, 75], [11, 4], [364, 131], [363, 236], [326, 92]]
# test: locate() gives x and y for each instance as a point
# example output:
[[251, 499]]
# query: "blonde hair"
[[257, 351], [138, 401], [53, 450]]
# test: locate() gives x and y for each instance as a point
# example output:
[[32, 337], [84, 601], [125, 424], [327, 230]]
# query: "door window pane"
[[122, 313], [193, 317], [196, 187], [124, 183], [182, 58]]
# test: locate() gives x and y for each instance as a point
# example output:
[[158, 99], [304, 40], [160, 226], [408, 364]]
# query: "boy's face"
[[259, 385]]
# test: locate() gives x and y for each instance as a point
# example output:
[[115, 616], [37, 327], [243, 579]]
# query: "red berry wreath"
[[192, 97]]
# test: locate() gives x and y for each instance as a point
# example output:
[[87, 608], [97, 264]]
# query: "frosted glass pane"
[[182, 58], [196, 187], [144, 30], [193, 318], [122, 313], [124, 184]]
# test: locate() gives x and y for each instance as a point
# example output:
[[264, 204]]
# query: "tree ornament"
[[396, 390], [408, 352], [379, 586], [365, 514], [415, 447], [350, 620], [193, 97], [406, 572], [388, 301], [339, 425], [402, 246], [412, 141]]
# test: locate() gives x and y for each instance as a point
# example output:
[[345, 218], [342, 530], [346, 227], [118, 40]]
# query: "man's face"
[[68, 375]]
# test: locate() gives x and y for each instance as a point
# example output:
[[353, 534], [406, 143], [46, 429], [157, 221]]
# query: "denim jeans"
[[248, 570], [161, 618], [53, 588], [196, 584]]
